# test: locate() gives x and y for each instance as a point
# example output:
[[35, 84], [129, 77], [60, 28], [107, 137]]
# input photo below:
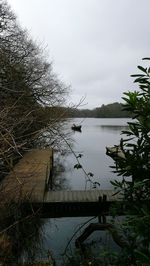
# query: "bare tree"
[[29, 90], [30, 99]]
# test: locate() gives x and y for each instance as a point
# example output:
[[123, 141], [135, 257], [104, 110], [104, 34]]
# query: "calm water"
[[91, 143]]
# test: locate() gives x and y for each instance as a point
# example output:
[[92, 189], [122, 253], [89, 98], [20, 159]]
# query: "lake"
[[91, 143]]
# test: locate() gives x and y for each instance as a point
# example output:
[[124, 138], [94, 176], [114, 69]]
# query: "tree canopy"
[[28, 86], [112, 110]]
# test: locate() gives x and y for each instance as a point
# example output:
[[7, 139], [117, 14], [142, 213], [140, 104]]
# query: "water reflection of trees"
[[93, 252], [59, 180], [113, 128], [21, 233]]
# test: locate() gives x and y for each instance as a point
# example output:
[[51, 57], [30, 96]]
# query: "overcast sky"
[[94, 44]]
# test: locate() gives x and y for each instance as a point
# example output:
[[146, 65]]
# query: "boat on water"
[[76, 127]]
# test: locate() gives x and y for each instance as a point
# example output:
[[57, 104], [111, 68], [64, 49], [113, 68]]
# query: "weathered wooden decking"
[[29, 180], [77, 203], [30, 177], [79, 196]]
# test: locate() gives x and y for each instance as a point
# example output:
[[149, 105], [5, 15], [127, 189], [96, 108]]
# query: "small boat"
[[76, 127]]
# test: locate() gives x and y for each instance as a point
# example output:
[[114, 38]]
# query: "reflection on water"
[[61, 232], [59, 181], [21, 233], [113, 128], [91, 143]]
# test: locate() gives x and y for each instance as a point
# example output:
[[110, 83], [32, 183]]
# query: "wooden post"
[[100, 205], [51, 172], [104, 208]]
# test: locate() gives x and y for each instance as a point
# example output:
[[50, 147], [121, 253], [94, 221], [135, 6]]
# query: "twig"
[[18, 221], [76, 233], [86, 174]]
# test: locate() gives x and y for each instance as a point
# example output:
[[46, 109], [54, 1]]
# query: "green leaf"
[[142, 69], [141, 80], [90, 174], [96, 183], [114, 194], [146, 58], [138, 75], [126, 132], [80, 155], [77, 166]]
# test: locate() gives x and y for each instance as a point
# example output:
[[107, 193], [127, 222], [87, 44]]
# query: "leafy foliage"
[[134, 170], [136, 163]]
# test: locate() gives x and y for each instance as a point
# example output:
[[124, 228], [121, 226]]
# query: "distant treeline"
[[113, 110]]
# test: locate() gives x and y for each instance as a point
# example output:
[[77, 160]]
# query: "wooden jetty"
[[79, 196], [28, 182], [30, 177], [78, 203]]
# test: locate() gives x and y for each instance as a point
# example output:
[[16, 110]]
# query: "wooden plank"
[[79, 196], [30, 176]]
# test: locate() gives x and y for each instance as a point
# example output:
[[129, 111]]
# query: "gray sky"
[[94, 44]]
